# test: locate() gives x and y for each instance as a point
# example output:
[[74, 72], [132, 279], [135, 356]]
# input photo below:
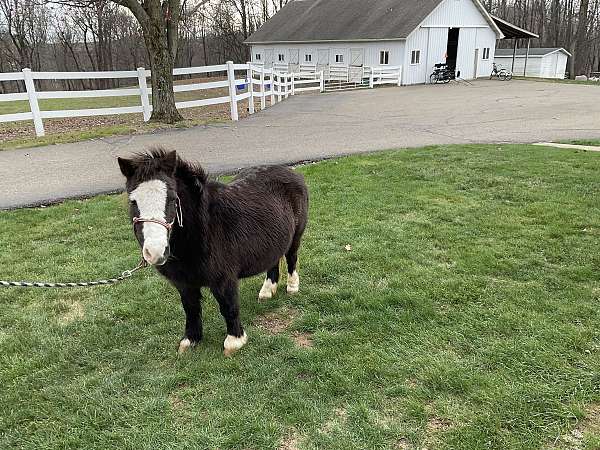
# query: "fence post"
[[293, 87], [250, 89], [287, 85], [232, 91], [263, 102], [273, 99], [144, 93], [33, 103], [322, 81], [400, 76], [372, 78]]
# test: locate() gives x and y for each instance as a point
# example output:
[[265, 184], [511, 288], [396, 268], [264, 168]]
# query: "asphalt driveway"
[[317, 126]]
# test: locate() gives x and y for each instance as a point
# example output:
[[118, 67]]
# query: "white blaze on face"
[[151, 200]]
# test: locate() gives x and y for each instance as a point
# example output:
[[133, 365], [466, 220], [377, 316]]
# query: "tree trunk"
[[580, 46], [160, 26], [161, 67]]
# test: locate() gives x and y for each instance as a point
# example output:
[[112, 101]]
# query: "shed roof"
[[535, 52], [347, 20], [511, 31]]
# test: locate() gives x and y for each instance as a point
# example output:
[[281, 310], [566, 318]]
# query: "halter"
[[167, 225]]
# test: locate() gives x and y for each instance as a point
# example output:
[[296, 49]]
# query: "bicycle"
[[501, 73]]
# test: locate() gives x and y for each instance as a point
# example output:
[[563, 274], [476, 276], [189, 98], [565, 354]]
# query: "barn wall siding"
[[416, 73], [371, 51], [436, 51], [455, 13], [486, 38]]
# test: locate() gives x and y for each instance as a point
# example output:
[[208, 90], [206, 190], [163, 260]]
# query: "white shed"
[[413, 34], [541, 62]]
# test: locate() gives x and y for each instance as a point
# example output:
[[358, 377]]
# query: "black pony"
[[200, 233]]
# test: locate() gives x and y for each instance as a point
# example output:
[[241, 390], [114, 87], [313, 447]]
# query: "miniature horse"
[[199, 233]]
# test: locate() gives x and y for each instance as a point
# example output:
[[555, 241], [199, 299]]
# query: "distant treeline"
[[572, 24]]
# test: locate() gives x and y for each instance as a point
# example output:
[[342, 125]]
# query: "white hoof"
[[184, 346], [232, 344], [268, 290], [293, 283]]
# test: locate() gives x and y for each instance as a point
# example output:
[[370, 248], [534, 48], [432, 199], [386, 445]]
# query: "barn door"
[[357, 57], [323, 61], [294, 59], [323, 56], [269, 57]]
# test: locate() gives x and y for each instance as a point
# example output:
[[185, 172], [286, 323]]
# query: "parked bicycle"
[[441, 74], [501, 73]]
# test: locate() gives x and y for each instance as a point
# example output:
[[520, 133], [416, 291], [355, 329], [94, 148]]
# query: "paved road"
[[319, 126]]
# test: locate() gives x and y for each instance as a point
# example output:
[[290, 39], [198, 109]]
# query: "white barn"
[[413, 34], [541, 62]]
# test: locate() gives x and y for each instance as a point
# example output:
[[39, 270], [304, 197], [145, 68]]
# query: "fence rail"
[[267, 85]]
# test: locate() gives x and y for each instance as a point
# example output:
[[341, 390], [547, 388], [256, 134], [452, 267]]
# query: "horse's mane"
[[151, 162]]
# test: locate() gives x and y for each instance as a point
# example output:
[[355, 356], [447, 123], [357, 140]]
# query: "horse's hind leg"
[[291, 257], [269, 287]]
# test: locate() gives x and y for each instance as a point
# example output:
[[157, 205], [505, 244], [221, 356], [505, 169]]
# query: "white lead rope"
[[125, 275]]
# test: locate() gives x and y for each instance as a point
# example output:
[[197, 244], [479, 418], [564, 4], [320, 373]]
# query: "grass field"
[[464, 315]]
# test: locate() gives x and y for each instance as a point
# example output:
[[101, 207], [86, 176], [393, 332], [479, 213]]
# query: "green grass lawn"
[[465, 315]]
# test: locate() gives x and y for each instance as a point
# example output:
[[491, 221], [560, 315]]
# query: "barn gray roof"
[[344, 20], [504, 52]]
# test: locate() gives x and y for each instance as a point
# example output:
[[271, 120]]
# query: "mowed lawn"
[[449, 298]]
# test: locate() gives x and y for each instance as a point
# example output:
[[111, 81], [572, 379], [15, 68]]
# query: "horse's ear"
[[170, 161], [127, 167]]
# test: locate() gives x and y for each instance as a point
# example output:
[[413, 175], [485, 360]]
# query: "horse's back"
[[280, 182]]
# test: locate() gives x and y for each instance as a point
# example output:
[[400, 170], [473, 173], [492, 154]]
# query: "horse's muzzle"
[[155, 258]]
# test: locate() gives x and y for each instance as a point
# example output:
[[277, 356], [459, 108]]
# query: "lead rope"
[[125, 275]]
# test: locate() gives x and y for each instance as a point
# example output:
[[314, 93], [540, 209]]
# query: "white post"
[[263, 100], [372, 78], [250, 89], [293, 76], [287, 85], [322, 81], [144, 93], [232, 91], [272, 87], [33, 103], [400, 76]]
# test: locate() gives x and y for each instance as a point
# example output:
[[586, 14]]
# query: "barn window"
[[307, 58], [339, 58], [281, 57], [415, 57], [486, 53], [257, 57], [384, 57]]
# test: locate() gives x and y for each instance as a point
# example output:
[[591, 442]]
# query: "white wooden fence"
[[257, 82]]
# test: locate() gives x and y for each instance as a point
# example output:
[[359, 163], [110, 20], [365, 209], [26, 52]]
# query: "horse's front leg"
[[191, 300], [227, 294]]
